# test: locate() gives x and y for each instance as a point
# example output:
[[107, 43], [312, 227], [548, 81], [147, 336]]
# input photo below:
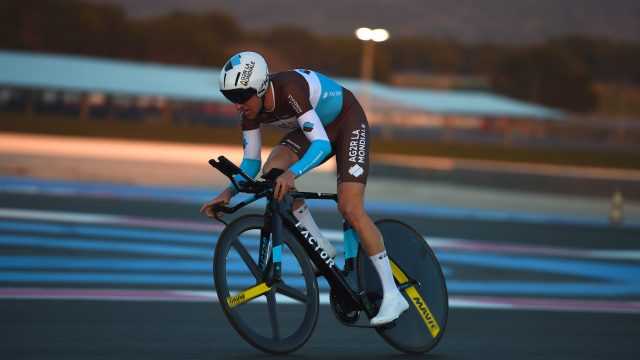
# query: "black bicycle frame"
[[280, 216]]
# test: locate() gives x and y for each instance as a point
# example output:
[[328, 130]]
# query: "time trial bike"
[[268, 288]]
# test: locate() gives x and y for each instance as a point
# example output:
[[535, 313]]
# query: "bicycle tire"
[[287, 333], [409, 250]]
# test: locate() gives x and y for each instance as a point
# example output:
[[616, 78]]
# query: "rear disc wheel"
[[421, 327]]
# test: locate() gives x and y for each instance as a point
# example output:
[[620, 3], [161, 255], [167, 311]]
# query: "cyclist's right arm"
[[251, 158]]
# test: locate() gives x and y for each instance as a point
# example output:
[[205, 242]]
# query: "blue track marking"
[[623, 279], [58, 263], [199, 196], [105, 246], [75, 188], [112, 232], [236, 281], [208, 239], [188, 254], [111, 264], [586, 269], [102, 278], [569, 289], [243, 281]]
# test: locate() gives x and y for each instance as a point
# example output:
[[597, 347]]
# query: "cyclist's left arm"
[[320, 146]]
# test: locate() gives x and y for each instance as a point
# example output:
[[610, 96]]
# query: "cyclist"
[[327, 120]]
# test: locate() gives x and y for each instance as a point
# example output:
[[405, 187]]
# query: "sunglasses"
[[239, 96]]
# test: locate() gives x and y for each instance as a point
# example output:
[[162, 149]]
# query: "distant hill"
[[468, 21]]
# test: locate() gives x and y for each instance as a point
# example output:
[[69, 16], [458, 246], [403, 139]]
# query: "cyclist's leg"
[[283, 156], [352, 160], [351, 205]]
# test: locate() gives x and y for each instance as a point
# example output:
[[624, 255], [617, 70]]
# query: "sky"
[[469, 21]]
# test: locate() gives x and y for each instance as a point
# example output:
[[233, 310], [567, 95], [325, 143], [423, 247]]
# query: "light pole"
[[369, 37]]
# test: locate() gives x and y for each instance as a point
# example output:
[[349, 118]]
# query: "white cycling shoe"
[[393, 305]]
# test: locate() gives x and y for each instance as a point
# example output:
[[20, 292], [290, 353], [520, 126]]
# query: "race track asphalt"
[[55, 329], [519, 289]]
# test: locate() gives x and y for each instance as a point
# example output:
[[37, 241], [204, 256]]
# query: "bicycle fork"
[[270, 249]]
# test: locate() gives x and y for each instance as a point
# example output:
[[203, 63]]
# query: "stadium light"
[[377, 35], [369, 37]]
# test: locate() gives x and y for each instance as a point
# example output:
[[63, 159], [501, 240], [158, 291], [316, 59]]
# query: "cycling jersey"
[[327, 118]]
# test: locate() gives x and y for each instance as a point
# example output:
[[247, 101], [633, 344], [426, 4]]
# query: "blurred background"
[[508, 130], [549, 83]]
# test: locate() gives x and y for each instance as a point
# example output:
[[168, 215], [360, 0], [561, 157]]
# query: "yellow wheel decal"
[[417, 301], [248, 294]]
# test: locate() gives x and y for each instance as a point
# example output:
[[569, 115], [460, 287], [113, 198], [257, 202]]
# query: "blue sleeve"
[[251, 167], [317, 152]]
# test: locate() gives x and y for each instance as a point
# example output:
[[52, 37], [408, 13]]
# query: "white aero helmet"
[[244, 75]]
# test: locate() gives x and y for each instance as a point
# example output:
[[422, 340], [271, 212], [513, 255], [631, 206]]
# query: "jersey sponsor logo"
[[285, 123], [246, 73], [294, 144], [357, 145], [307, 126], [313, 242], [331, 93], [244, 143], [294, 104], [313, 163], [356, 170]]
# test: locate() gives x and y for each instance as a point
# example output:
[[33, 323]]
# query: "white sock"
[[304, 216], [381, 262]]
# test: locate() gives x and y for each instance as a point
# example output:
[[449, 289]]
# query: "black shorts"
[[349, 136]]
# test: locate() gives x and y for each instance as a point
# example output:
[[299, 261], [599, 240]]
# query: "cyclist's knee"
[[353, 213], [297, 204]]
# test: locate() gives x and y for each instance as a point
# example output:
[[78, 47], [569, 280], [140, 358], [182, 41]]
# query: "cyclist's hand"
[[284, 183], [223, 199]]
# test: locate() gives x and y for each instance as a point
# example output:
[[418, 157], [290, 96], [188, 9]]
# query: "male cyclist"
[[328, 120]]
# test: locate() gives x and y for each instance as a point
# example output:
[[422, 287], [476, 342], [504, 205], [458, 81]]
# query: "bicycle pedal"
[[387, 326]]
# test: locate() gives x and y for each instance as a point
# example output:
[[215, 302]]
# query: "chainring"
[[338, 309]]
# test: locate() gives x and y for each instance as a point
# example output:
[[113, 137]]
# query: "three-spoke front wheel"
[[281, 319]]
